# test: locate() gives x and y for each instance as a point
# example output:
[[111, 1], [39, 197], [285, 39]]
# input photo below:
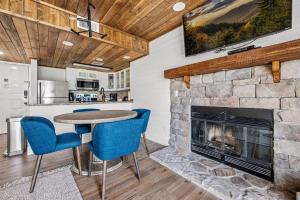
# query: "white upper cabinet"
[[122, 84], [119, 80], [127, 80], [111, 81]]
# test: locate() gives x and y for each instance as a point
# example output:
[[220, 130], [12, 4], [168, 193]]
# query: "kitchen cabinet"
[[111, 81], [82, 74], [119, 80], [92, 75], [127, 73], [122, 84]]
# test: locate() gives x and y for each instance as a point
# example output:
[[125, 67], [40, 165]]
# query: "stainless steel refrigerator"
[[50, 92]]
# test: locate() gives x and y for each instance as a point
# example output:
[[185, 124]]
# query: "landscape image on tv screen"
[[218, 23]]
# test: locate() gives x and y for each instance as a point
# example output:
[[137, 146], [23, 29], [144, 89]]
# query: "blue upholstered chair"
[[83, 128], [143, 114], [114, 140], [42, 138]]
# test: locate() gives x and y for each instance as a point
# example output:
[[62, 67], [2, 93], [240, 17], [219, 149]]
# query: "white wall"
[[33, 82], [50, 73], [150, 90], [14, 80]]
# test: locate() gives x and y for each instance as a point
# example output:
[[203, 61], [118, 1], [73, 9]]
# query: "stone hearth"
[[248, 88], [223, 181]]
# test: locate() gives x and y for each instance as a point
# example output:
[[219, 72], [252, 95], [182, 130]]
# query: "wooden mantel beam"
[[50, 15], [273, 54]]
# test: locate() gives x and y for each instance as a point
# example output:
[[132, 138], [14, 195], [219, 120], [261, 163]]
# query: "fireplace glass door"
[[234, 138], [250, 144]]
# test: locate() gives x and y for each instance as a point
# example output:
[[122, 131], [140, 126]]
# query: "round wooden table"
[[93, 118]]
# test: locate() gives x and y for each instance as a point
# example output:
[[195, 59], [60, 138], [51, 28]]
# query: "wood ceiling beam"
[[50, 15]]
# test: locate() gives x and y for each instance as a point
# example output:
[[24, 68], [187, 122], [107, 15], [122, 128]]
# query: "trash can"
[[16, 142]]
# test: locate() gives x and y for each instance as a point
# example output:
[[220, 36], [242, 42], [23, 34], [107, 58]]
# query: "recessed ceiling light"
[[179, 6], [1, 52], [99, 59], [67, 43], [126, 57]]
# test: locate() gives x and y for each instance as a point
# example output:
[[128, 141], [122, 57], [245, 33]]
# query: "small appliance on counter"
[[86, 97], [71, 96], [125, 98], [113, 97]]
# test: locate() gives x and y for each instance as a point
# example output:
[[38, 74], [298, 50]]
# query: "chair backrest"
[[143, 114], [115, 139], [78, 126], [40, 134]]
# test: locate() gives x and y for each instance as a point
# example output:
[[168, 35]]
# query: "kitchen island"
[[50, 110]]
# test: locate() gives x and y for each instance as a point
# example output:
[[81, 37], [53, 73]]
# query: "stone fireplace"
[[250, 88]]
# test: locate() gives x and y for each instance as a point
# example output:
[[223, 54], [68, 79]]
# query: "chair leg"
[[90, 163], [104, 179], [81, 146], [137, 167], [74, 157], [145, 143], [77, 152], [36, 172]]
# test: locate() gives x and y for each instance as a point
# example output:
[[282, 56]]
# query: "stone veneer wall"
[[250, 88]]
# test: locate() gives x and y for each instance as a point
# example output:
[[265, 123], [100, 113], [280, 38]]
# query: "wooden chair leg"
[[104, 179], [137, 166], [77, 152], [90, 163], [36, 172], [145, 143]]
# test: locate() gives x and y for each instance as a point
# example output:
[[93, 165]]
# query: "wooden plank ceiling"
[[22, 40], [148, 19], [36, 29]]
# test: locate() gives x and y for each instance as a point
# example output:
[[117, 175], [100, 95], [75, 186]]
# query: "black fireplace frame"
[[242, 116]]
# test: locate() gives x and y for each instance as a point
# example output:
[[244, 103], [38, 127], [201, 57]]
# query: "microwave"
[[86, 84]]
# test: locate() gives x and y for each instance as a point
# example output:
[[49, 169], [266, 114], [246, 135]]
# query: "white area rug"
[[56, 184]]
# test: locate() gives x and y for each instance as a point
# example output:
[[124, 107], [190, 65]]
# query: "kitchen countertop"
[[81, 103]]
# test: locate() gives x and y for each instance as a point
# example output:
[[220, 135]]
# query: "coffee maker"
[[113, 97], [71, 96]]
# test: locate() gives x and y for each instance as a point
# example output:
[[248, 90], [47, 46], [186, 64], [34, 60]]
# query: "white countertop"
[[82, 103]]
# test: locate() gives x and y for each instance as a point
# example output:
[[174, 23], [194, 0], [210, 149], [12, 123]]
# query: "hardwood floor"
[[158, 182]]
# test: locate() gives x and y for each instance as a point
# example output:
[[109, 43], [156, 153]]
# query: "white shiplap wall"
[[150, 90], [50, 73]]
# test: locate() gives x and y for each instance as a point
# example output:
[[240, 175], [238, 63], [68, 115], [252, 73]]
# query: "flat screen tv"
[[219, 23]]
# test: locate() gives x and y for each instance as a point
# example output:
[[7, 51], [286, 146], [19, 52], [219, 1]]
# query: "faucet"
[[103, 94]]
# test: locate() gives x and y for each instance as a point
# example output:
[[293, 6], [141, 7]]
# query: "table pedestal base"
[[97, 165]]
